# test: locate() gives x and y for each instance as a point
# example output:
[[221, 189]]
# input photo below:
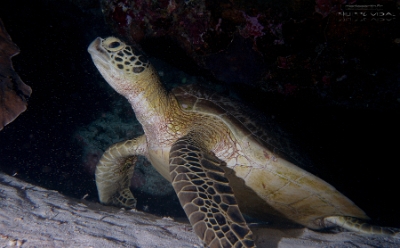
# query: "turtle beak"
[[99, 56], [97, 51], [102, 60], [94, 46]]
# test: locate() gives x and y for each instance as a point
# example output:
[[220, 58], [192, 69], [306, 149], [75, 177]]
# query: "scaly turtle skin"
[[216, 158]]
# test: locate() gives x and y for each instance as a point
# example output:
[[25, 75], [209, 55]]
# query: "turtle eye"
[[113, 44]]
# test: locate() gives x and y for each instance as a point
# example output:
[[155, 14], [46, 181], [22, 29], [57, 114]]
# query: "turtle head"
[[122, 66]]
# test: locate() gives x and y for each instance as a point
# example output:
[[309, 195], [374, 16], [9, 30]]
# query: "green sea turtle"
[[219, 162]]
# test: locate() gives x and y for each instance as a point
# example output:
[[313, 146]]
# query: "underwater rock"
[[14, 94], [31, 216], [202, 29], [223, 39]]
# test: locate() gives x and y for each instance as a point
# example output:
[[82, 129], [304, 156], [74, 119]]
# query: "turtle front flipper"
[[206, 196], [114, 172], [358, 225]]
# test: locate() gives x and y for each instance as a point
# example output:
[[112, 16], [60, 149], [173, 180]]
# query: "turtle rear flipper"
[[114, 172], [358, 225], [206, 196]]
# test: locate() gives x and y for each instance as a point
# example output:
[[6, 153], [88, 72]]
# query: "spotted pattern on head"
[[124, 57]]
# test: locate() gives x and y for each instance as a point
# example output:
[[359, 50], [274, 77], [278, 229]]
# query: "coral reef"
[[14, 93], [318, 39], [253, 28], [200, 28]]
